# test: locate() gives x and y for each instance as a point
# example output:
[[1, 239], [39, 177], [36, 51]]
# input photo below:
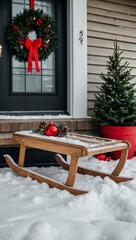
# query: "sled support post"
[[22, 155], [72, 171], [120, 165]]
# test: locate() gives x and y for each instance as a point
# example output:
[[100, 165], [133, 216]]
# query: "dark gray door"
[[53, 97]]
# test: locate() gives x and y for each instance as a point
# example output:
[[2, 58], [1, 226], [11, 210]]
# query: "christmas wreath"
[[52, 129], [25, 49]]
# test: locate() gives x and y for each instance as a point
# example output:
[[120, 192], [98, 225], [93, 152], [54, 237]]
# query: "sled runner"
[[76, 146]]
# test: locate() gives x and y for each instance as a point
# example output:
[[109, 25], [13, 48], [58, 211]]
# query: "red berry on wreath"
[[15, 28], [45, 45]]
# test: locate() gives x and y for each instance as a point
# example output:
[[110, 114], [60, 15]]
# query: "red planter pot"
[[121, 133]]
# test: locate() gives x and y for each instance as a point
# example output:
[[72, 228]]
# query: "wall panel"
[[108, 20]]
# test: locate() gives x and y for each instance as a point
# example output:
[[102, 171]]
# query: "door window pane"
[[33, 83], [19, 83]]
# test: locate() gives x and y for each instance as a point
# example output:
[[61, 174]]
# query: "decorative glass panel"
[[48, 84], [19, 83], [22, 81], [33, 83]]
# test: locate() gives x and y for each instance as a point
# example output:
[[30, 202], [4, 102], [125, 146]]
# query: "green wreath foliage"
[[23, 24]]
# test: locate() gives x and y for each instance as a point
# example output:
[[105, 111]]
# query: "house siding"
[[106, 21]]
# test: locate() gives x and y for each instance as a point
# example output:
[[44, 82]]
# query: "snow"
[[33, 211], [92, 145], [28, 117]]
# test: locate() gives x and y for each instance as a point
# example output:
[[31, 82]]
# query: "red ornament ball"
[[52, 131], [102, 157], [51, 123], [107, 159]]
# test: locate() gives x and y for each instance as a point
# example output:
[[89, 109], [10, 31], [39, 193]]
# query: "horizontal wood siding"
[[106, 21]]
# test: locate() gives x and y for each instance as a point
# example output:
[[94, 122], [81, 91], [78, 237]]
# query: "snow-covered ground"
[[33, 211]]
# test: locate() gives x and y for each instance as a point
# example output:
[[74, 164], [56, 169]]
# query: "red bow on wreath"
[[32, 47]]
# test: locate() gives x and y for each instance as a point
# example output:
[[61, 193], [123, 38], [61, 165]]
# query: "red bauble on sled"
[[52, 130]]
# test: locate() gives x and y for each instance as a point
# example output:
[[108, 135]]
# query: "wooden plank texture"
[[108, 20]]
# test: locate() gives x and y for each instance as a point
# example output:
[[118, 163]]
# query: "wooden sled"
[[76, 146]]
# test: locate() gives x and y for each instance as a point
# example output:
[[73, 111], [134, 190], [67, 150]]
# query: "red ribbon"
[[31, 4], [32, 47]]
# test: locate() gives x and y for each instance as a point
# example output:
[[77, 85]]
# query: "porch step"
[[8, 127], [6, 139]]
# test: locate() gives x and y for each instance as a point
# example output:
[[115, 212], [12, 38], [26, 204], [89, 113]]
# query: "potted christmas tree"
[[115, 105]]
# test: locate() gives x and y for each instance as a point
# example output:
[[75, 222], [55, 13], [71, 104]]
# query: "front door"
[[44, 92]]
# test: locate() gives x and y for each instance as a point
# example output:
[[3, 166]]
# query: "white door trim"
[[77, 58]]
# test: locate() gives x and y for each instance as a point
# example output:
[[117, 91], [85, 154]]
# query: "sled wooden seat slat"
[[75, 145]]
